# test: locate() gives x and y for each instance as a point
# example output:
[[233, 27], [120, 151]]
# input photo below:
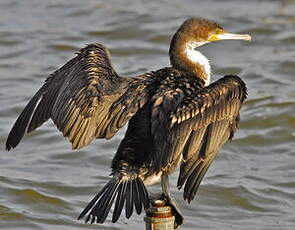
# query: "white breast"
[[197, 57]]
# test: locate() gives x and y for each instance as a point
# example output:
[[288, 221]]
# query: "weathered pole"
[[159, 216]]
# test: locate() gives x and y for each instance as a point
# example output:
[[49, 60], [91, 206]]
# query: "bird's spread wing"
[[198, 124], [85, 99]]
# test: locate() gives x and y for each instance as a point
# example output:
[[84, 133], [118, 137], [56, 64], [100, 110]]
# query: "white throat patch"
[[197, 57]]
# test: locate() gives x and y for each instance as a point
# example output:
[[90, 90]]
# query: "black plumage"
[[174, 119]]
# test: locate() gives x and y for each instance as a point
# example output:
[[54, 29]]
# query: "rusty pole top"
[[159, 216]]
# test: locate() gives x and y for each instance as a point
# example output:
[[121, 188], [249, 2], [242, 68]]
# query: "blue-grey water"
[[251, 185]]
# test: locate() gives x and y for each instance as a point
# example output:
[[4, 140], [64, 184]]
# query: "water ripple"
[[45, 185]]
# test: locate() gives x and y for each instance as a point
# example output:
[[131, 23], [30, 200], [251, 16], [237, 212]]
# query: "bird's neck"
[[184, 56]]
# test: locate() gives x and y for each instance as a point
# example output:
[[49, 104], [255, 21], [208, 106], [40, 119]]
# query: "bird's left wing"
[[85, 98], [190, 128]]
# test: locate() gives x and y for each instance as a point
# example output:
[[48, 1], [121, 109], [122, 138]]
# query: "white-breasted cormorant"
[[175, 117]]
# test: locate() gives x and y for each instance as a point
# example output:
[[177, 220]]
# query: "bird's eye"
[[219, 31]]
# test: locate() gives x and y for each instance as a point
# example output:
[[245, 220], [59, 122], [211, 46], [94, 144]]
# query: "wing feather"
[[197, 128], [85, 98]]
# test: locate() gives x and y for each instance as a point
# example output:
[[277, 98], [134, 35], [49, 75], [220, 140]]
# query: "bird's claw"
[[176, 212]]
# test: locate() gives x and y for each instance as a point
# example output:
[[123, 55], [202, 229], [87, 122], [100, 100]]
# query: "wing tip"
[[8, 147], [13, 140]]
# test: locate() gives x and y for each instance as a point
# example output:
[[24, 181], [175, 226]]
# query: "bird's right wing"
[[85, 98], [190, 127]]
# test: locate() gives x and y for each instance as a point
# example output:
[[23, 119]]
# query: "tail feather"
[[143, 193], [130, 192], [93, 201], [137, 201], [108, 204], [129, 201], [120, 202], [101, 206]]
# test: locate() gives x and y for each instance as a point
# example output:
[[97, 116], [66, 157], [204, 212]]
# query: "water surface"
[[44, 184]]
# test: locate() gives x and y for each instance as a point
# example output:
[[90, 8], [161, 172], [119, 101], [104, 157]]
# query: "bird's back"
[[138, 145]]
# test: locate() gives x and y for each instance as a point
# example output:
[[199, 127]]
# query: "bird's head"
[[193, 33], [201, 31]]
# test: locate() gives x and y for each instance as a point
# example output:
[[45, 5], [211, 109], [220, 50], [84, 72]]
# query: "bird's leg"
[[170, 201]]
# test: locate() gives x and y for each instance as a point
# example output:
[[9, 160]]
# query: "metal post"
[[159, 216]]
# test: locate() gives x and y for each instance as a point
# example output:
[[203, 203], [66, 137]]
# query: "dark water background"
[[45, 185]]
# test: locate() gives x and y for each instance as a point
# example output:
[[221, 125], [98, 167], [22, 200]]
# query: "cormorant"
[[175, 117]]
